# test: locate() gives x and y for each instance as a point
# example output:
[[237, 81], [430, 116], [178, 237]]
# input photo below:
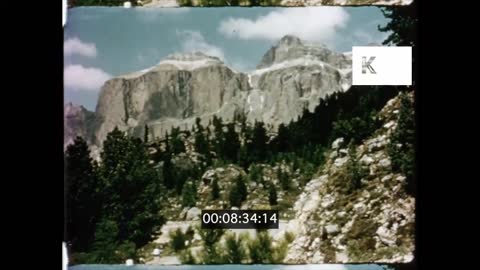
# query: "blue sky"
[[102, 42]]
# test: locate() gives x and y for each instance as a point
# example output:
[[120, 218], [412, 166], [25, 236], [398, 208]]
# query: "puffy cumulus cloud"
[[314, 24], [76, 46], [78, 77], [192, 41]]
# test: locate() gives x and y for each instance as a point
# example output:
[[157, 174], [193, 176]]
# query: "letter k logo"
[[367, 65]]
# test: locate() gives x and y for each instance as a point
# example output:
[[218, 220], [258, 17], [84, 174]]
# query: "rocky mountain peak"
[[71, 109], [291, 48], [182, 86], [290, 41], [178, 61], [77, 122], [191, 56]]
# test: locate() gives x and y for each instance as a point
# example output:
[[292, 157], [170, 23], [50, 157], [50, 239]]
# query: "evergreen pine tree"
[[131, 186], [201, 143], [178, 146], [106, 243], [255, 174], [168, 173], [238, 193], [189, 194], [259, 142], [219, 140], [272, 195], [401, 25], [283, 178], [83, 201], [234, 250], [145, 134], [402, 143], [242, 187], [232, 143], [215, 189], [282, 139], [243, 157], [354, 169]]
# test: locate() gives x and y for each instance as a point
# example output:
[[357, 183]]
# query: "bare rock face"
[[181, 87], [77, 121], [292, 48], [290, 77]]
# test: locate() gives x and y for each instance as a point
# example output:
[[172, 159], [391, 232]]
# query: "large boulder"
[[193, 214]]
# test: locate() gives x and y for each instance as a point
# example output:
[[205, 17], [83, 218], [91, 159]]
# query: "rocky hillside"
[[290, 77], [373, 223], [330, 221]]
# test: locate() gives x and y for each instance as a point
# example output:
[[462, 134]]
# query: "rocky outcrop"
[[373, 224], [77, 121], [290, 77]]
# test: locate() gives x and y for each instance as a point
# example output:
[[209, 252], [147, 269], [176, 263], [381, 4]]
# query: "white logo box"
[[391, 66]]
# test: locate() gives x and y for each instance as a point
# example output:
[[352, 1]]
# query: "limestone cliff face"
[[180, 88], [77, 121], [292, 48], [290, 77]]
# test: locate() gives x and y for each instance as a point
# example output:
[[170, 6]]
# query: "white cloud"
[[76, 46], [78, 77], [194, 41], [314, 24]]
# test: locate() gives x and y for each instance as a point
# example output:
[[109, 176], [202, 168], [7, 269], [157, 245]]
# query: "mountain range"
[[291, 76]]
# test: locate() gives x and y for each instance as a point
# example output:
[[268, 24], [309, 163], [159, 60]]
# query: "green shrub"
[[186, 257], [261, 248], [177, 240], [234, 252]]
